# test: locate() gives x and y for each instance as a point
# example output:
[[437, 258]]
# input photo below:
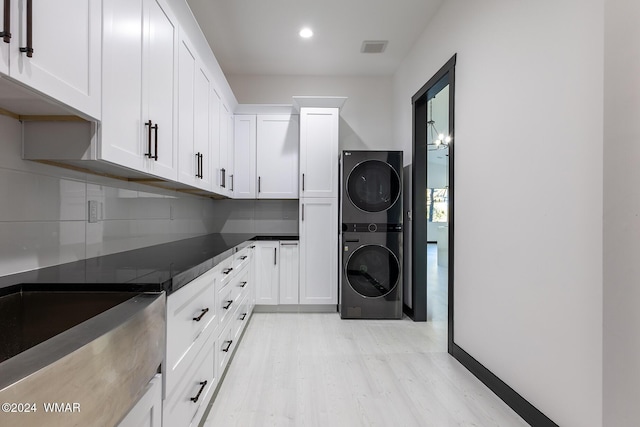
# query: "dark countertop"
[[152, 269]]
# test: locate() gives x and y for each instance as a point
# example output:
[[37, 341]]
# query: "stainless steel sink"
[[95, 351]]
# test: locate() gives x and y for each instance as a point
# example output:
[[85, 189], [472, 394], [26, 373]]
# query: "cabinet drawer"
[[226, 344], [193, 390], [227, 272], [191, 314], [241, 259], [240, 318]]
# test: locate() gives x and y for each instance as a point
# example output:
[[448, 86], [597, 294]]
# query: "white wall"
[[621, 210], [528, 293], [365, 119]]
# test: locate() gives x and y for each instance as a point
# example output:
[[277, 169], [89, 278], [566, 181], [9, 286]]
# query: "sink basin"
[[95, 351], [30, 318]]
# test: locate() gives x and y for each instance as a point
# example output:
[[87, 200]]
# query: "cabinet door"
[[318, 251], [277, 159], [289, 273], [159, 89], [202, 126], [245, 157], [188, 162], [224, 183], [267, 273], [319, 152], [231, 153], [122, 128], [4, 46], [66, 43], [215, 164], [148, 411]]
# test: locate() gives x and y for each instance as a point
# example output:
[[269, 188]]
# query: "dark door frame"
[[444, 76]]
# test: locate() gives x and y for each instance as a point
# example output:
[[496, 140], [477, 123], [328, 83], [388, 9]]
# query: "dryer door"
[[373, 271], [373, 186]]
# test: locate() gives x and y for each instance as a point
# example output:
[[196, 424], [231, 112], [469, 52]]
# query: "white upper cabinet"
[[277, 156], [319, 152], [226, 170], [57, 51], [230, 153], [5, 39], [245, 157], [188, 159], [194, 116], [139, 66], [202, 127], [215, 130]]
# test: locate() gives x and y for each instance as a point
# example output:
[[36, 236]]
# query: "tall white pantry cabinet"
[[318, 184]]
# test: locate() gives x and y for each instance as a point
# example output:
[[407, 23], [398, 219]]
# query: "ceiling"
[[261, 36]]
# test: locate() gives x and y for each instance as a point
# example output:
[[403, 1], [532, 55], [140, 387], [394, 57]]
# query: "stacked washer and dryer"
[[371, 236]]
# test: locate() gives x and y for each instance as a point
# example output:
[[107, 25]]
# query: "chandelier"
[[439, 141]]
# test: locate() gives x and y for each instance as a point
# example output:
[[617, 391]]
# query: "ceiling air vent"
[[374, 46]]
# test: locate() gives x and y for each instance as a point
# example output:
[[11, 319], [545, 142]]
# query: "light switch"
[[93, 211]]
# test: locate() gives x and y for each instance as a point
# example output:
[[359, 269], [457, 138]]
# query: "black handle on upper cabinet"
[[203, 384], [227, 270], [244, 316], [258, 184], [198, 165], [150, 124], [29, 48], [201, 166], [231, 178], [156, 155], [223, 173], [226, 307], [228, 346], [6, 33], [204, 311], [303, 211], [242, 284], [302, 182], [275, 256]]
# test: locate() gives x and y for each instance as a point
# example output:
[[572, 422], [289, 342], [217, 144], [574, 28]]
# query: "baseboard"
[[519, 404], [296, 308]]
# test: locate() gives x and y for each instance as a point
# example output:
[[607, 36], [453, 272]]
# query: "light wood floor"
[[318, 370]]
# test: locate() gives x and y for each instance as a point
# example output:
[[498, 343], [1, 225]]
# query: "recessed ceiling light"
[[306, 33]]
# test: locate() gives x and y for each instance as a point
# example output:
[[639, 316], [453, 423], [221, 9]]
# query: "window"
[[437, 204]]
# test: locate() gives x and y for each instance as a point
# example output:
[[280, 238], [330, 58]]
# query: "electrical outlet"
[[93, 211]]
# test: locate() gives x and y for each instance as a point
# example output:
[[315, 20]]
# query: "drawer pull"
[[227, 270], [228, 346], [252, 247], [244, 315], [242, 258], [203, 384], [242, 284], [204, 311], [226, 307]]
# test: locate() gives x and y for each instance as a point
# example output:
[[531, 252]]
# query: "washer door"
[[373, 186], [373, 271]]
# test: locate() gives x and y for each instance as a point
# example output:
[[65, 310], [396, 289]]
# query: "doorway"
[[432, 190]]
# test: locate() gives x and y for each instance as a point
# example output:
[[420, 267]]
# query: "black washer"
[[373, 271], [373, 186]]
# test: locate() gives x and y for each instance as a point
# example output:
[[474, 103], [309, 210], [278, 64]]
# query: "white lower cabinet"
[[289, 280], [147, 412], [205, 320], [267, 272], [318, 251], [193, 391]]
